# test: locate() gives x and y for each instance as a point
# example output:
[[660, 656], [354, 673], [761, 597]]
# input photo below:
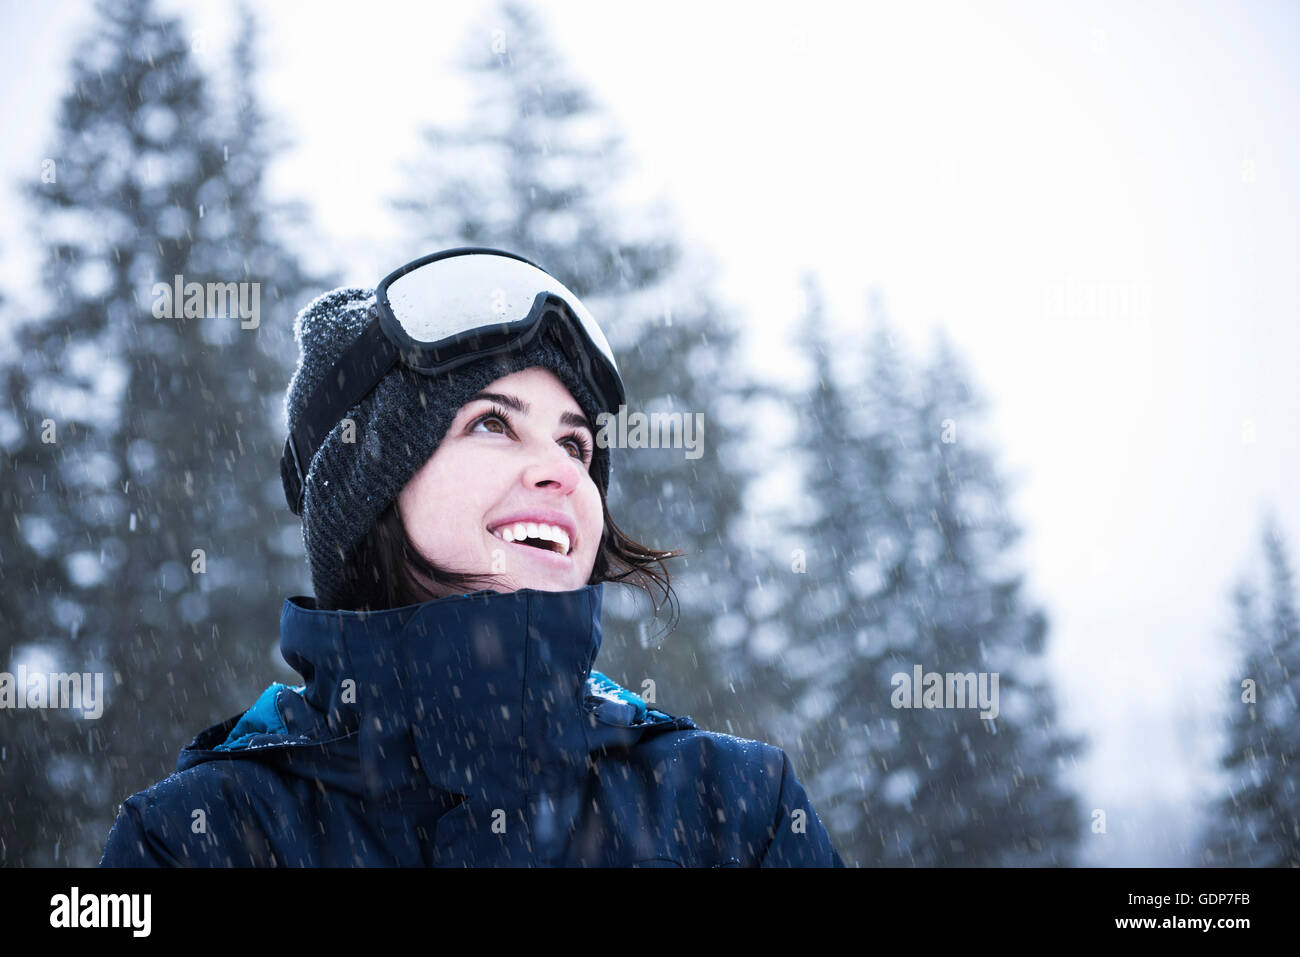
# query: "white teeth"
[[521, 530], [555, 534]]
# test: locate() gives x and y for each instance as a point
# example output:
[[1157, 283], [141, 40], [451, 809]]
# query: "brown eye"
[[580, 443], [499, 415]]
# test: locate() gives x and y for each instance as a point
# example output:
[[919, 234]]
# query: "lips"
[[542, 555], [538, 516]]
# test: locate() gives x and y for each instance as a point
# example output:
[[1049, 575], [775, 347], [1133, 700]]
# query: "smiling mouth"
[[559, 549]]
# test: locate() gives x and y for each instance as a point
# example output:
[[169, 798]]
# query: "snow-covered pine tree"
[[847, 605], [145, 534], [904, 569], [989, 791], [1257, 823]]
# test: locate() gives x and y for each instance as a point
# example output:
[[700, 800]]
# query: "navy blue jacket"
[[466, 731]]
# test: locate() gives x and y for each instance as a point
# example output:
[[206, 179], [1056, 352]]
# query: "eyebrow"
[[523, 408]]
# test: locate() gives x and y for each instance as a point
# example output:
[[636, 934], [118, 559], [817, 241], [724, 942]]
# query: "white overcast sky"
[[971, 161]]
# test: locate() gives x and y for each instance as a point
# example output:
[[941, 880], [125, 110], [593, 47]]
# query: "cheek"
[[425, 519], [593, 519], [451, 507]]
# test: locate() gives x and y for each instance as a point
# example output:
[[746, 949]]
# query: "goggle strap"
[[358, 370]]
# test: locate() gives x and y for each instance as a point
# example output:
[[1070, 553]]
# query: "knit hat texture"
[[398, 426]]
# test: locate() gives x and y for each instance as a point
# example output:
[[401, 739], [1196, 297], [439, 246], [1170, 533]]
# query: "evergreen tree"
[[808, 618], [989, 791], [848, 604], [903, 570], [535, 174], [1257, 823], [147, 538]]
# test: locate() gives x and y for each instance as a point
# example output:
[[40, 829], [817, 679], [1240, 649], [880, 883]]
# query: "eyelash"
[[497, 412]]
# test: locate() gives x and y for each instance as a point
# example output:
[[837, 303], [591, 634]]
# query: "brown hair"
[[383, 570]]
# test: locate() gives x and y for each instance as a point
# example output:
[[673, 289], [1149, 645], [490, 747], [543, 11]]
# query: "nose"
[[553, 466]]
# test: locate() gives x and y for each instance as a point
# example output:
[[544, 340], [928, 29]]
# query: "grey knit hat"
[[398, 426]]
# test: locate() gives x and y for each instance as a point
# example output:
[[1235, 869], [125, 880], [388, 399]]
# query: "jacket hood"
[[485, 694]]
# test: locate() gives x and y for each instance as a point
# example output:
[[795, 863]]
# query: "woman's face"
[[524, 466]]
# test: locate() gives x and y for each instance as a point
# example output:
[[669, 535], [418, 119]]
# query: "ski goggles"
[[441, 312]]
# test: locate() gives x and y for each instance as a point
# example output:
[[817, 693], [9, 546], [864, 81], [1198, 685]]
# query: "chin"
[[544, 582], [547, 585]]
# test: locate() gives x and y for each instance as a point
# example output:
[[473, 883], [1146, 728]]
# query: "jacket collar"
[[478, 694]]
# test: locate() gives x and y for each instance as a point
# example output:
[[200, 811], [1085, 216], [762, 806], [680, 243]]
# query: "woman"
[[454, 516]]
